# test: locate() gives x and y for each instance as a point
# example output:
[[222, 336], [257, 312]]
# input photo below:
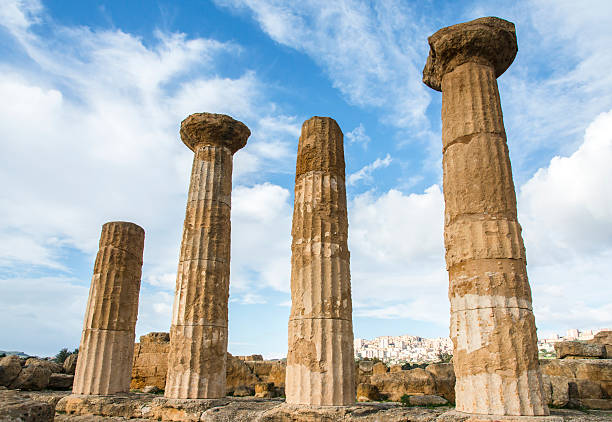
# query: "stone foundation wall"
[[578, 382], [250, 357], [567, 382], [377, 381], [243, 372], [150, 361], [600, 347]]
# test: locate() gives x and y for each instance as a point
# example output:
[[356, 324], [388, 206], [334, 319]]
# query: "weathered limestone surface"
[[320, 363], [151, 365], [198, 336], [17, 407], [151, 361], [35, 374], [367, 392], [104, 363], [54, 367], [492, 323], [144, 407], [32, 377], [437, 379], [578, 382], [444, 376], [579, 349], [379, 368], [239, 376], [604, 338], [141, 407], [70, 363], [250, 358], [396, 384], [10, 367], [147, 406], [455, 416], [60, 382]]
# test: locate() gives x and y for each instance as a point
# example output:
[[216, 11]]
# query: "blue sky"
[[92, 95]]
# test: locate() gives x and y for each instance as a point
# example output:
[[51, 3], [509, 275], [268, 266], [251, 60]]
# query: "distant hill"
[[12, 352]]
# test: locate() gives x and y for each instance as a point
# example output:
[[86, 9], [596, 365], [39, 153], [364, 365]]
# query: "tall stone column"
[[320, 362], [198, 336], [492, 323], [106, 351]]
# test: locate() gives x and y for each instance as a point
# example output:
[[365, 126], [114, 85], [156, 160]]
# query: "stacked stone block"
[[320, 362], [198, 336], [106, 351], [492, 323], [151, 361]]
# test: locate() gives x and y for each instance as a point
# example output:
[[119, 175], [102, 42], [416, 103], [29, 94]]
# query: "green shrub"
[[62, 355], [444, 357]]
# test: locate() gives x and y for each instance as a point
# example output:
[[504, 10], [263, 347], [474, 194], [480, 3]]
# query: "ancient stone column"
[[320, 362], [106, 351], [198, 336], [492, 323]]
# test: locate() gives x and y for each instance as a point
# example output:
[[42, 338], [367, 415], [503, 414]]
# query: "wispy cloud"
[[371, 51], [365, 173], [249, 299], [552, 91], [358, 136]]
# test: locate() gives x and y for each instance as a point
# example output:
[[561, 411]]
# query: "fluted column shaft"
[[107, 343], [198, 335], [320, 362], [492, 323]]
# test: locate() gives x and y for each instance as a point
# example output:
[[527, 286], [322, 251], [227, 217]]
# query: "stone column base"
[[454, 416]]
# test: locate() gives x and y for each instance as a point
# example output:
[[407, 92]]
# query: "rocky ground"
[[583, 380], [41, 406]]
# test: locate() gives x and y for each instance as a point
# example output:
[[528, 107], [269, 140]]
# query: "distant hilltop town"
[[401, 349], [414, 349], [547, 344]]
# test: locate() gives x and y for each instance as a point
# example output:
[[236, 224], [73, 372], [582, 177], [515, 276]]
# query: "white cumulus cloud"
[[566, 213], [397, 256], [89, 133]]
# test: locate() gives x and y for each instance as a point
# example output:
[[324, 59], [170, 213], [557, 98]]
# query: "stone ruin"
[[150, 363], [107, 343], [492, 323], [320, 359], [496, 371], [244, 374], [198, 336]]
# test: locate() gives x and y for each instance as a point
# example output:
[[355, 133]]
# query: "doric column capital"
[[489, 41], [214, 129]]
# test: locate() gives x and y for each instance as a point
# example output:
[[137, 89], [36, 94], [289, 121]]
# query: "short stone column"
[[320, 361], [492, 323], [106, 351], [198, 336]]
